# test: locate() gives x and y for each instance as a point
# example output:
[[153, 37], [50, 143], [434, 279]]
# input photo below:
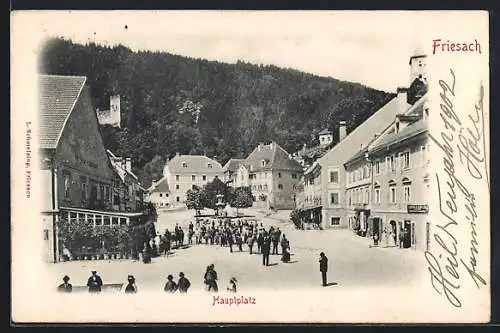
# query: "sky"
[[371, 48]]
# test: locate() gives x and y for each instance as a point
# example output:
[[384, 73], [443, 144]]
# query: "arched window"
[[392, 191], [407, 189]]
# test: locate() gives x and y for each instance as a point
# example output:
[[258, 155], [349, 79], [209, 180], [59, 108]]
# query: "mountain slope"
[[171, 103]]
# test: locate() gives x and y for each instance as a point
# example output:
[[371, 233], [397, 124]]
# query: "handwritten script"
[[462, 144]]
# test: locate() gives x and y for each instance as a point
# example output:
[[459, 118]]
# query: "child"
[[232, 285]]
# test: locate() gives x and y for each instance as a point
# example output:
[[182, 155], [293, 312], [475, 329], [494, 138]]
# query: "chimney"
[[402, 97], [259, 147], [177, 154], [342, 130]]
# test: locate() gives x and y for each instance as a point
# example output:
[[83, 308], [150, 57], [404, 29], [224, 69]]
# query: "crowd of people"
[[231, 233]]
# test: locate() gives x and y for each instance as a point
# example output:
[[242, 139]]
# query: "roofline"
[[72, 107], [381, 147], [394, 99]]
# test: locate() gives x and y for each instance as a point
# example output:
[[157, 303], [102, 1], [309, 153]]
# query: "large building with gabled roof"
[[77, 175], [184, 172], [272, 174]]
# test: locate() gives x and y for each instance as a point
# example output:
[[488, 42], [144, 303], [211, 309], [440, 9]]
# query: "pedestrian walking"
[[323, 267], [284, 244], [239, 242], [131, 286], [260, 240], [65, 287], [230, 241], [183, 283], [250, 242], [170, 286], [210, 278], [94, 283]]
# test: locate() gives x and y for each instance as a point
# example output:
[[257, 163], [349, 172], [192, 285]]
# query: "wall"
[[186, 183], [416, 173], [284, 198], [81, 153]]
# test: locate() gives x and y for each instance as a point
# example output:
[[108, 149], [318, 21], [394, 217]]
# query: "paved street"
[[351, 261]]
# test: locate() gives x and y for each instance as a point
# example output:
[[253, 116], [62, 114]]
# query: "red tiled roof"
[[57, 98]]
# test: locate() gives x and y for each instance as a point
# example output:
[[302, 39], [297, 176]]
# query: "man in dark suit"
[[94, 283], [323, 267], [65, 287], [266, 249]]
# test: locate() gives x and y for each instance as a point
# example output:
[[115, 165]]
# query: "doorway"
[[408, 235], [394, 232], [376, 226]]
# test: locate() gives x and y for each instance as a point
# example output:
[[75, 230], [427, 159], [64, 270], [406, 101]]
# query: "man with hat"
[[131, 286], [94, 283], [65, 287], [183, 283], [323, 267]]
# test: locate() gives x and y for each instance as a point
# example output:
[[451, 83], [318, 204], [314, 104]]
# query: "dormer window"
[[209, 165], [263, 163], [184, 165], [397, 127]]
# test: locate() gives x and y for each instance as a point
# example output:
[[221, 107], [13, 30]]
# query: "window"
[[67, 184], [407, 193], [392, 194], [193, 186], [280, 186], [177, 177], [98, 220], [45, 234], [334, 198], [83, 182], [166, 195], [377, 167], [407, 190], [107, 220], [423, 151], [335, 220], [184, 165], [405, 160], [204, 177], [123, 221], [263, 163], [161, 195], [177, 186], [294, 176], [114, 221], [193, 177], [367, 196], [376, 186], [209, 165], [279, 174], [334, 177], [177, 199], [393, 164]]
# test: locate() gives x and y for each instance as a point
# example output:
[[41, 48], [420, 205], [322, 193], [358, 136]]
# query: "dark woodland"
[[172, 103]]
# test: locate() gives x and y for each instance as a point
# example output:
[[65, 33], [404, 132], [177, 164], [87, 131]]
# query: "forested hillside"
[[171, 103]]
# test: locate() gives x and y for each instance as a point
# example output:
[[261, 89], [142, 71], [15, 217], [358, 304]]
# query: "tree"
[[241, 197], [194, 200], [210, 192]]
